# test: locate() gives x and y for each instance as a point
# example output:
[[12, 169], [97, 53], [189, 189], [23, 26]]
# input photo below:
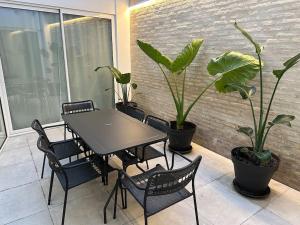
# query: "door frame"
[[60, 12]]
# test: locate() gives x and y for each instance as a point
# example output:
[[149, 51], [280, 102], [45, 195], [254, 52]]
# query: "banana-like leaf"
[[235, 68], [258, 48], [288, 64], [187, 55], [121, 78], [246, 130], [155, 54], [282, 119], [134, 86], [244, 90]]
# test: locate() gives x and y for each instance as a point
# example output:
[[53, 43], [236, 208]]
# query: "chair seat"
[[79, 174], [150, 153], [65, 149], [154, 203]]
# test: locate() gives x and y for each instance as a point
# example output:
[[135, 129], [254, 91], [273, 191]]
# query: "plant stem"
[[268, 112], [265, 137], [260, 130], [254, 121], [170, 87], [194, 102]]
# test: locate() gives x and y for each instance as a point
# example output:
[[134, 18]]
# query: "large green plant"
[[237, 70], [123, 79], [174, 72]]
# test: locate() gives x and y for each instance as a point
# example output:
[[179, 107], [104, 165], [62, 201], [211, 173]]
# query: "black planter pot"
[[252, 180], [123, 107], [180, 140]]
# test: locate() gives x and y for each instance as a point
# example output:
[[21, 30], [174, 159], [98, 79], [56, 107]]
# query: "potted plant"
[[254, 165], [124, 80], [174, 71]]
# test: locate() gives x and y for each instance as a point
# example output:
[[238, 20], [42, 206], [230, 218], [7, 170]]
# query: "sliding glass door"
[[88, 45], [48, 58], [33, 65]]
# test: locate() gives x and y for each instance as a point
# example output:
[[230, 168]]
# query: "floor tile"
[[20, 202], [173, 215], [15, 156], [16, 175], [287, 206], [265, 217], [221, 206], [16, 142], [41, 218], [87, 211]]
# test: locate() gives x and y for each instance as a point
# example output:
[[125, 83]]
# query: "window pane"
[[33, 65], [88, 45]]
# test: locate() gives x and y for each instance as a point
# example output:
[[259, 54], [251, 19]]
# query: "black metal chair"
[[135, 113], [72, 174], [157, 189], [76, 107], [63, 149], [148, 152]]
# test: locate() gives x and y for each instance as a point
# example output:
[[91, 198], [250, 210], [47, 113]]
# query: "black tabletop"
[[109, 131]]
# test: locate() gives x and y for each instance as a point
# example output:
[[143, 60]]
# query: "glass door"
[[88, 42], [31, 52]]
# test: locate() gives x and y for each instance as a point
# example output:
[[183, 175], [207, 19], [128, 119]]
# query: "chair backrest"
[[36, 125], [44, 145], [77, 107], [168, 182], [135, 113], [157, 123]]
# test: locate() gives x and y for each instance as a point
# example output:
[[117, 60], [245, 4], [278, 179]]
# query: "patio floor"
[[23, 194]]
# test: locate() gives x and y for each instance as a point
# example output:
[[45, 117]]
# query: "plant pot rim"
[[274, 156], [186, 125]]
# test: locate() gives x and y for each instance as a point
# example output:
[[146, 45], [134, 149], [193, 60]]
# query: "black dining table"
[[109, 131]]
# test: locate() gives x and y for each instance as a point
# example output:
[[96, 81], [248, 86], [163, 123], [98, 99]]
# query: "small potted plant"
[[124, 80], [174, 71], [254, 165]]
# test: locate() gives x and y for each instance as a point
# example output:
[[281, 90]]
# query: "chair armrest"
[[122, 172]]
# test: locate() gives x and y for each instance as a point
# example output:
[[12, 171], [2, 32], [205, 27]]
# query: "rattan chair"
[[134, 112], [63, 149], [157, 189], [72, 174]]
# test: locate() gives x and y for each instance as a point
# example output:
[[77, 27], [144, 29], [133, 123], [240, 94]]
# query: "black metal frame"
[[76, 107], [61, 170], [3, 124], [36, 125], [157, 182], [131, 157]]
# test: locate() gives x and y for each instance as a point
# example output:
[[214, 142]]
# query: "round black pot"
[[123, 107], [252, 180], [180, 140]]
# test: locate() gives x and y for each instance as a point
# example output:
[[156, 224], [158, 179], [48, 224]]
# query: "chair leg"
[[122, 197], [43, 167], [50, 188], [167, 162], [195, 206], [65, 132], [65, 206], [146, 219], [107, 202], [116, 200]]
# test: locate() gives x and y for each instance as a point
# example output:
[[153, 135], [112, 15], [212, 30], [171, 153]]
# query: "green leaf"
[[154, 54], [134, 86], [187, 55], [120, 78], [258, 48], [234, 68], [282, 119], [288, 64], [246, 130], [263, 156], [245, 91]]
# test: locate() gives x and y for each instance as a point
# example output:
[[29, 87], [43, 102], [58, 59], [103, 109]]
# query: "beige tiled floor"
[[23, 194]]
